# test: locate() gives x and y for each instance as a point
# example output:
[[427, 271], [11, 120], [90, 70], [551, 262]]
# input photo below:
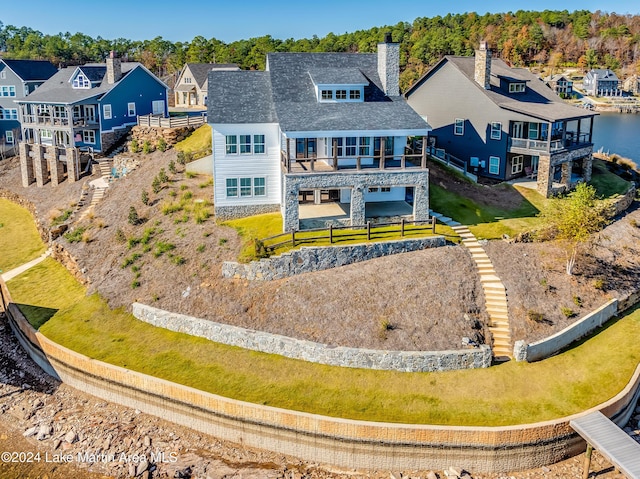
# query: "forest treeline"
[[524, 38]]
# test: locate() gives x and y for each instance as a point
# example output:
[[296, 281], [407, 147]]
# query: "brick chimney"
[[114, 69], [389, 66], [482, 73]]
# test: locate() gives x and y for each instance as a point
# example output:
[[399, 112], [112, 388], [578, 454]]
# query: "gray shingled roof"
[[58, 89], [603, 74], [31, 70], [337, 76], [240, 97], [201, 70], [538, 100], [285, 94]]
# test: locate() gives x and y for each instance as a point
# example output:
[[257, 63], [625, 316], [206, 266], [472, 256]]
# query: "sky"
[[237, 19]]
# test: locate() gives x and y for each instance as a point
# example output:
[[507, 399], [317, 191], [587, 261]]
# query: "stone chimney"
[[114, 69], [482, 73], [389, 66]]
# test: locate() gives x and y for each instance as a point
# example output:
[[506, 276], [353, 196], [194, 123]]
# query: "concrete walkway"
[[494, 291], [24, 267]]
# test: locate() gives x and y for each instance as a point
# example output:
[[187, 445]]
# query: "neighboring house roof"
[[201, 70], [285, 93], [556, 78], [31, 70], [606, 74], [537, 100], [58, 89]]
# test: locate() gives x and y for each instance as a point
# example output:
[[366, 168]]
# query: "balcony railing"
[[359, 163], [571, 140], [46, 120]]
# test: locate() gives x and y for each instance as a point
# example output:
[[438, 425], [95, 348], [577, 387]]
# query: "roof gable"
[[200, 71]]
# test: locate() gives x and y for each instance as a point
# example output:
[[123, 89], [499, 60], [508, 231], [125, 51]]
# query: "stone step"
[[492, 309]]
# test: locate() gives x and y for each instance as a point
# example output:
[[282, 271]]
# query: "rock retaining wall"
[[553, 344], [408, 361], [153, 134], [308, 259], [622, 202], [343, 443]]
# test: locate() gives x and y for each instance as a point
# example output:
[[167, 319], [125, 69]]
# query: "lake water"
[[618, 133]]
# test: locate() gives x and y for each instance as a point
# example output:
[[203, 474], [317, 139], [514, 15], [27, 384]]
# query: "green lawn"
[[199, 140], [607, 184], [511, 393], [270, 224], [19, 238]]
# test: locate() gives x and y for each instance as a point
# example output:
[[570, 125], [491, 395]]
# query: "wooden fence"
[[172, 122], [367, 231]]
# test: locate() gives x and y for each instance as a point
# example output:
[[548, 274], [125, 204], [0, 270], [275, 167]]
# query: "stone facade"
[[389, 67], [110, 138], [357, 182], [547, 164], [482, 72], [407, 361], [46, 164], [622, 202], [309, 259], [224, 213]]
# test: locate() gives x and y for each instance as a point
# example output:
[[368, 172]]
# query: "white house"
[[319, 126]]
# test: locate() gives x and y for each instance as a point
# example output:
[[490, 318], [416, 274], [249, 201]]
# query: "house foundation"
[[47, 163], [548, 164], [26, 165]]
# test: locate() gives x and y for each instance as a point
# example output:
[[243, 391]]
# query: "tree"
[[573, 219]]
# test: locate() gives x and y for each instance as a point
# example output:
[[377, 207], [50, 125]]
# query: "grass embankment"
[[263, 226], [607, 183], [512, 393], [198, 144], [19, 238]]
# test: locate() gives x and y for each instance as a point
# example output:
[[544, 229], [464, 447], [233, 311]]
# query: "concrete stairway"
[[494, 292], [105, 166]]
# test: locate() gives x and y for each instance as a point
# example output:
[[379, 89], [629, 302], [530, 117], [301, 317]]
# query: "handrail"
[[172, 122]]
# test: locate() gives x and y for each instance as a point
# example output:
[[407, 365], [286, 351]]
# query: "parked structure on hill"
[[315, 127], [18, 78], [504, 122], [191, 88], [84, 108], [561, 84]]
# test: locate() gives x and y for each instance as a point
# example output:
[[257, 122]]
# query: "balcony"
[[44, 120], [350, 164], [571, 140]]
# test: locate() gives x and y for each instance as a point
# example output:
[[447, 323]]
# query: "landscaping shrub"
[[75, 235], [134, 147], [146, 147], [144, 197], [161, 144], [172, 166], [134, 219]]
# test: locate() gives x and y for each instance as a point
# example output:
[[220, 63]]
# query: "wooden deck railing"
[[368, 230], [172, 122]]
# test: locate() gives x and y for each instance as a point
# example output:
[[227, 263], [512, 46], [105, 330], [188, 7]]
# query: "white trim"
[[345, 133], [496, 130], [131, 108], [251, 186], [89, 137], [458, 126], [9, 137], [517, 164]]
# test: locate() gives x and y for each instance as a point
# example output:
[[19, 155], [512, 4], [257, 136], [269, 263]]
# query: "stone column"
[[26, 165], [40, 166], [565, 179], [587, 166], [357, 205], [545, 178], [73, 174], [55, 167], [291, 216], [421, 202]]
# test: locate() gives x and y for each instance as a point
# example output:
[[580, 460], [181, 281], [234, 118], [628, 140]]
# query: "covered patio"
[[339, 214]]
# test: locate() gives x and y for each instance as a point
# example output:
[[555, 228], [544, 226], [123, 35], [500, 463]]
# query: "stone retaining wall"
[[343, 443], [553, 344], [308, 259], [622, 202], [407, 361]]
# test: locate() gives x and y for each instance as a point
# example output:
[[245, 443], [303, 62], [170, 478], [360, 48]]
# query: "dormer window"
[[354, 94], [339, 84], [187, 79], [516, 87], [327, 94], [81, 81], [341, 94]]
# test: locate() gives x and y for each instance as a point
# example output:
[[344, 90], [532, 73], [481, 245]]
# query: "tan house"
[[632, 85], [192, 84]]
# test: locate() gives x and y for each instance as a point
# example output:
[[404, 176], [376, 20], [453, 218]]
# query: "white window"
[[3, 74], [46, 136], [373, 189], [157, 107], [81, 81], [9, 137], [496, 130], [458, 127], [339, 150], [231, 144], [534, 131], [131, 109], [341, 94], [365, 146], [259, 187], [26, 90], [9, 90], [327, 94], [245, 144], [494, 165], [245, 187], [187, 79], [385, 189], [9, 114], [354, 94], [258, 144], [89, 137], [516, 164], [516, 87], [351, 146], [106, 112], [232, 187]]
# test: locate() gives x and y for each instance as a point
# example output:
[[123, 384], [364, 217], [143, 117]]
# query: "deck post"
[[382, 148], [402, 227], [368, 230], [293, 237], [423, 161], [587, 461], [433, 224], [358, 163], [335, 154], [330, 234], [288, 158]]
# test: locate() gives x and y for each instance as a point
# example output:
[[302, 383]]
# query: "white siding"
[[246, 165]]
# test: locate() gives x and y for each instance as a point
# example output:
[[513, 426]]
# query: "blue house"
[[18, 78], [84, 108]]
